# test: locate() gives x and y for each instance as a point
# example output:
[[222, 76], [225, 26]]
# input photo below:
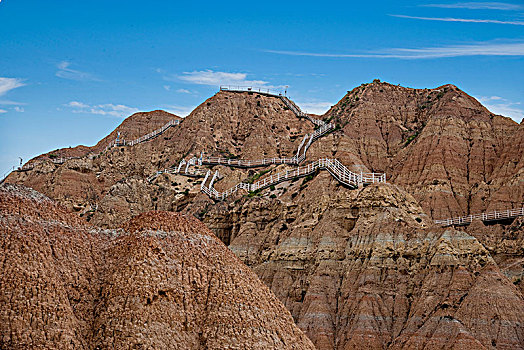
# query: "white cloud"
[[167, 87], [102, 109], [8, 84], [315, 107], [11, 103], [502, 106], [76, 104], [478, 6], [65, 72], [491, 48], [209, 77], [466, 20], [183, 91], [19, 109], [3, 111], [181, 111]]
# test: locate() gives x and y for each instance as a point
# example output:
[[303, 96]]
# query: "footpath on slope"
[[334, 166]]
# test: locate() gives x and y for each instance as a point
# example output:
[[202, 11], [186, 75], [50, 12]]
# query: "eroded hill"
[[355, 267], [162, 281]]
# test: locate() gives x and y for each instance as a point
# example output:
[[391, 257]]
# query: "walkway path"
[[335, 168], [486, 217], [115, 143]]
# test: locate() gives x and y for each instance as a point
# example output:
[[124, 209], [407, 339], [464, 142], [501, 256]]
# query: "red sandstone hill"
[[162, 281], [131, 128], [367, 269], [440, 144], [356, 268]]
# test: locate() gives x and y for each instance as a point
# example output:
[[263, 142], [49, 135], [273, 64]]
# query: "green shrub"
[[257, 176], [411, 138], [252, 194]]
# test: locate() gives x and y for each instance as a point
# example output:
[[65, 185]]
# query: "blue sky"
[[70, 71]]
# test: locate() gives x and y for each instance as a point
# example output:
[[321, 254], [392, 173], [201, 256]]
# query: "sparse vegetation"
[[411, 138], [257, 176], [309, 177], [252, 194]]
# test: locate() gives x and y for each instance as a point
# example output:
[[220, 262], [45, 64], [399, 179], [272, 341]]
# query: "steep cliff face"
[[366, 269], [162, 281]]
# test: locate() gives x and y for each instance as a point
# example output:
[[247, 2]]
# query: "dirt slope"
[[162, 281]]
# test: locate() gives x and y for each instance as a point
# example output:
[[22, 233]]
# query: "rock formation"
[[359, 268], [162, 281], [367, 269]]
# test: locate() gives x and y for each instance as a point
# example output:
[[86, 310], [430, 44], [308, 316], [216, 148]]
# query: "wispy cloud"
[[181, 111], [3, 111], [8, 84], [11, 103], [502, 106], [478, 6], [19, 109], [102, 109], [476, 49], [65, 72], [315, 107], [213, 78], [466, 20], [184, 91]]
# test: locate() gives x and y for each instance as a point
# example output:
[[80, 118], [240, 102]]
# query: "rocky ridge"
[[162, 280], [367, 269], [445, 154]]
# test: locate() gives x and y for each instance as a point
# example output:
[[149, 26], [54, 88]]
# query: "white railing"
[[489, 216], [250, 89], [248, 163], [291, 105], [153, 134], [333, 166], [61, 160], [183, 168]]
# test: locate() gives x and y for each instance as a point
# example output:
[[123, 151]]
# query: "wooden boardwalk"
[[339, 171]]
